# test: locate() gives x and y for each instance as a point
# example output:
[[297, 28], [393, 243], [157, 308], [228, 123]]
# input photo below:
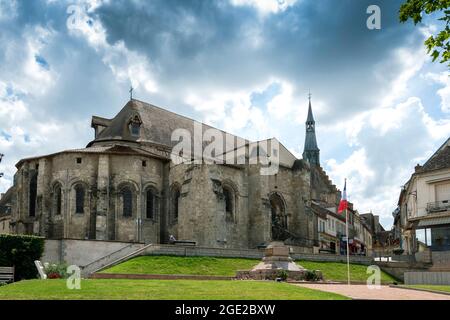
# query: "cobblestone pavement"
[[384, 293]]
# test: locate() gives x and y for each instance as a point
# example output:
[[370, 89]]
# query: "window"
[[79, 199], [32, 195], [127, 201], [150, 212], [58, 200], [229, 203], [144, 163], [135, 126], [79, 160], [175, 203]]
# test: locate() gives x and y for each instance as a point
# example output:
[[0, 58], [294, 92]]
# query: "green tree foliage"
[[438, 45], [21, 252]]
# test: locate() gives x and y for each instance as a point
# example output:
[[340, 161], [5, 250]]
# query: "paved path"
[[385, 293]]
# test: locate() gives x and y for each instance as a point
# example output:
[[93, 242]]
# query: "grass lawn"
[[337, 271], [206, 266], [432, 287], [228, 266], [161, 290]]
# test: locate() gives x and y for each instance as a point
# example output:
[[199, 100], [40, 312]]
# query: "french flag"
[[343, 205]]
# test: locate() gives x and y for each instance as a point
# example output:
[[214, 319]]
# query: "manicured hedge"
[[21, 252]]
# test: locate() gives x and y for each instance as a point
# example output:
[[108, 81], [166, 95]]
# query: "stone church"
[[125, 186]]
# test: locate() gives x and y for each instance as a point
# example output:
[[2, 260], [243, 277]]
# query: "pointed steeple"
[[311, 152]]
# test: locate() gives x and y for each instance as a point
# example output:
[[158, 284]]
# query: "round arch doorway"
[[278, 217]]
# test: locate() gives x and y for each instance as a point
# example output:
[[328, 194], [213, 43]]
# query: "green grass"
[[161, 290], [337, 271], [334, 271], [183, 265], [432, 287]]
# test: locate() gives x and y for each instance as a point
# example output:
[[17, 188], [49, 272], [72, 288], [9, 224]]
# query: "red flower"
[[54, 275]]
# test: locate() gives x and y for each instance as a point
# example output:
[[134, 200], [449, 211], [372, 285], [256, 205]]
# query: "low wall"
[[84, 252], [427, 278], [441, 261], [80, 252], [177, 250]]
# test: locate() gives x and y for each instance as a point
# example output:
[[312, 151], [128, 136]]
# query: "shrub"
[[311, 275], [282, 274], [21, 252], [56, 271]]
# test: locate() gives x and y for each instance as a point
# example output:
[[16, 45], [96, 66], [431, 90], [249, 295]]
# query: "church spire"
[[311, 152]]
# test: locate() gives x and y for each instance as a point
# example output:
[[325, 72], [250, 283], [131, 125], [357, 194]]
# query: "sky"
[[245, 66]]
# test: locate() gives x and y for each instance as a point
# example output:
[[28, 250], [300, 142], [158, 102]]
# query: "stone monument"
[[276, 264]]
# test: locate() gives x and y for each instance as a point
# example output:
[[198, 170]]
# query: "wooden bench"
[[6, 274], [327, 251], [185, 242]]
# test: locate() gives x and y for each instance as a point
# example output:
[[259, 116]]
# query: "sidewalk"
[[385, 293]]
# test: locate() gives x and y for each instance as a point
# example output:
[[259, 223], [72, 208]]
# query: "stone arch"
[[279, 221], [151, 202], [57, 198], [175, 195], [79, 197], [230, 193], [32, 195], [127, 199]]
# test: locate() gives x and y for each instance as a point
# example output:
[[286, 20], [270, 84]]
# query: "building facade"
[[126, 186], [424, 205]]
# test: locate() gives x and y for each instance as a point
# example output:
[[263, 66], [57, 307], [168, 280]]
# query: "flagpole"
[[348, 251]]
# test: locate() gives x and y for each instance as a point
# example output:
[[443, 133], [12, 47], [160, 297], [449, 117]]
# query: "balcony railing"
[[438, 206]]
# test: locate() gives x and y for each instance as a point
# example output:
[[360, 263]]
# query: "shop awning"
[[433, 222]]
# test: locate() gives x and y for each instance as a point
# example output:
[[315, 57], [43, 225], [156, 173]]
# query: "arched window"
[[79, 199], [33, 195], [229, 199], [279, 218], [135, 126], [175, 203], [57, 200], [151, 203], [127, 201]]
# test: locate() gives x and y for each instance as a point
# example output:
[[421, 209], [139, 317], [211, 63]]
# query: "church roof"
[[116, 149], [157, 126], [310, 114], [310, 137]]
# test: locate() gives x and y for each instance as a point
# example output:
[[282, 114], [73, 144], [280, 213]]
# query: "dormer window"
[[135, 126]]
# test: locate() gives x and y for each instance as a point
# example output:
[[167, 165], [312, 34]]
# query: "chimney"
[[417, 168]]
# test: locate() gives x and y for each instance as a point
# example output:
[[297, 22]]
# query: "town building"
[[423, 215]]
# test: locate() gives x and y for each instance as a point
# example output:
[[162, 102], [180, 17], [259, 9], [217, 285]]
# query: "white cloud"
[[125, 64], [265, 6], [443, 79]]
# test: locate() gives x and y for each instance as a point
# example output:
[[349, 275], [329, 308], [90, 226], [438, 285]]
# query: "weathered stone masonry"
[[124, 187]]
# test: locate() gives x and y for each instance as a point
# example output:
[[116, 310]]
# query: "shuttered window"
[[443, 192]]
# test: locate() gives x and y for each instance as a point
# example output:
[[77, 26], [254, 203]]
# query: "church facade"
[[125, 186]]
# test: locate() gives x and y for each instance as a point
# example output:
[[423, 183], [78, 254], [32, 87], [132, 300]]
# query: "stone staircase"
[[114, 258]]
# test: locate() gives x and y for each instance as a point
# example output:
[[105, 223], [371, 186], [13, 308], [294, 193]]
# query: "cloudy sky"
[[245, 66]]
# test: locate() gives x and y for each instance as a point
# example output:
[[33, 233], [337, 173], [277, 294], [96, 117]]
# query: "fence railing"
[[438, 206]]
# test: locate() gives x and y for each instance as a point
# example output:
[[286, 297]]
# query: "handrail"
[[123, 258], [109, 254]]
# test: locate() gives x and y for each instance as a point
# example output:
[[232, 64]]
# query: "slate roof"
[[310, 138], [439, 160], [157, 125]]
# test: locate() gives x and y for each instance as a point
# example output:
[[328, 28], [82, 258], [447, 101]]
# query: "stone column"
[[103, 198]]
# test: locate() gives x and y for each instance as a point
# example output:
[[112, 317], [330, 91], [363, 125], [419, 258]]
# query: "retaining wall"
[[427, 278]]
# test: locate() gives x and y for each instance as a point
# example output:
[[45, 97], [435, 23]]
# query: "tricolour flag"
[[343, 205]]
